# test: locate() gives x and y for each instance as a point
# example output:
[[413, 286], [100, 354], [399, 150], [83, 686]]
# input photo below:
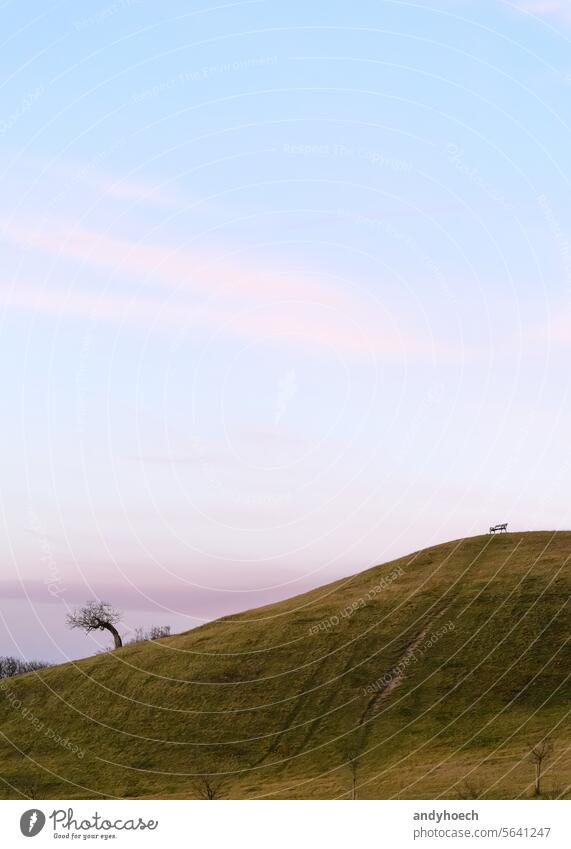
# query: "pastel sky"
[[285, 292]]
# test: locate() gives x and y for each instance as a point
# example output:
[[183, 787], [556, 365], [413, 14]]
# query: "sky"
[[285, 293]]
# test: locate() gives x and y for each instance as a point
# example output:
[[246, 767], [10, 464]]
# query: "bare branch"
[[208, 787], [538, 753], [96, 616]]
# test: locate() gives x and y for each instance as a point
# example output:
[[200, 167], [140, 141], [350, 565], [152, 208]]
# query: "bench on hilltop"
[[502, 529]]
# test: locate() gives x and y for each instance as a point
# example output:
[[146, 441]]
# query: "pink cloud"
[[309, 327], [131, 190], [556, 8], [177, 268], [208, 295], [179, 597], [555, 331], [62, 177]]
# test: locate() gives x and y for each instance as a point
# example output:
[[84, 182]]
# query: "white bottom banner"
[[288, 824]]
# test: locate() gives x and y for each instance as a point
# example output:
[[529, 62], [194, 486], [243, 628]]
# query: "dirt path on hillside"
[[391, 680]]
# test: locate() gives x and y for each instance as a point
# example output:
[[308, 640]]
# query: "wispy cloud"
[[125, 189], [182, 290], [553, 8], [296, 325], [130, 190], [64, 179], [177, 268], [555, 331]]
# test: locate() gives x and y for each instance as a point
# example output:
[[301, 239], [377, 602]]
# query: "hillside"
[[433, 672]]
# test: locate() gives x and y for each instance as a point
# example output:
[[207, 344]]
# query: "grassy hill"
[[430, 674]]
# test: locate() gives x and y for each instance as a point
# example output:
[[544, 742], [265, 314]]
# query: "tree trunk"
[[115, 632], [538, 779]]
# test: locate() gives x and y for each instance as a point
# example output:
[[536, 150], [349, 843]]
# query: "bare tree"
[[353, 751], [207, 787], [352, 755], [538, 753], [10, 666], [353, 768], [155, 632], [158, 632], [96, 616]]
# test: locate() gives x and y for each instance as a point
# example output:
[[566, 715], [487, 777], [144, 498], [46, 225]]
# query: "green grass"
[[274, 704]]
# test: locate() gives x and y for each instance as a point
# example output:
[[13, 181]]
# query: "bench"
[[502, 529]]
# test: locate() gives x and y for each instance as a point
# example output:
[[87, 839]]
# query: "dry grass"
[[274, 698]]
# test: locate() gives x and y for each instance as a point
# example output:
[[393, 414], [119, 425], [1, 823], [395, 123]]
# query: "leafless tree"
[[207, 787], [352, 755], [158, 632], [10, 666], [353, 751], [96, 616], [155, 632], [353, 768], [538, 753]]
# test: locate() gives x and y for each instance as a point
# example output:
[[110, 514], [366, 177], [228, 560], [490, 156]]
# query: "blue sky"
[[285, 293]]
